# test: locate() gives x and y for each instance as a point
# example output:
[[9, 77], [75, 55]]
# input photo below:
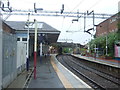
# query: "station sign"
[[117, 50]]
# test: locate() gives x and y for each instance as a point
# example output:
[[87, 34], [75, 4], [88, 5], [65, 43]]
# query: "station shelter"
[[17, 43]]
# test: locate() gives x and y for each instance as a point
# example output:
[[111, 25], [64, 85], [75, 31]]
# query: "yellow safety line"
[[61, 76]]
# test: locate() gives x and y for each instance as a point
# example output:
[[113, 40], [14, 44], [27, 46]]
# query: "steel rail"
[[99, 73], [96, 85], [105, 76]]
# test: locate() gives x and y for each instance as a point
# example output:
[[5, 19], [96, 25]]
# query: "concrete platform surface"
[[20, 80], [102, 61], [50, 74], [68, 79], [46, 76]]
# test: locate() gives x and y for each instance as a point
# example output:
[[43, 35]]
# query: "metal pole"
[[41, 49], [41, 39], [89, 46], [95, 51], [107, 38], [84, 21], [106, 45], [27, 56], [40, 52], [35, 49], [93, 20]]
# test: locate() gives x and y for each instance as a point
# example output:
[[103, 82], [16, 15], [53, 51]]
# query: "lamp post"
[[107, 29], [35, 49], [35, 41], [106, 45]]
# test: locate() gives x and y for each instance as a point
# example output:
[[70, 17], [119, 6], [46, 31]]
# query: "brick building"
[[107, 26], [7, 28]]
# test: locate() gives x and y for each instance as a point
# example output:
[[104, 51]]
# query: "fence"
[[9, 59]]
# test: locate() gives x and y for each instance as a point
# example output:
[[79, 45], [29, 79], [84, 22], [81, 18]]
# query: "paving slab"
[[46, 77]]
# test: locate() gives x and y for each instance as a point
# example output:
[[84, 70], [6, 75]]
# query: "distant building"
[[107, 26]]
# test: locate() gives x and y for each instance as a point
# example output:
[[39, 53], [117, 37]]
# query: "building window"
[[18, 39], [24, 39]]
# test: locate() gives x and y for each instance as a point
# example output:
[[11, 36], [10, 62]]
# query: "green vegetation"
[[100, 42], [83, 51], [67, 50], [112, 38]]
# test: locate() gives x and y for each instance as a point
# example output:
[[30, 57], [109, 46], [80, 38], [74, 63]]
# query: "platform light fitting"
[[74, 20], [35, 8], [62, 8]]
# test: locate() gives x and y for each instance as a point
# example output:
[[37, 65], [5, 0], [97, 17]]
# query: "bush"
[[100, 42]]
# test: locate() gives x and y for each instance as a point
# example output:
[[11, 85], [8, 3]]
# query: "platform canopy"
[[49, 33]]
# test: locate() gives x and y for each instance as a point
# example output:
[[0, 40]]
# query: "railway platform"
[[109, 62], [50, 74]]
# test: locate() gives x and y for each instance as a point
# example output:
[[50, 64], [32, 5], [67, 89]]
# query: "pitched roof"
[[51, 34], [20, 25]]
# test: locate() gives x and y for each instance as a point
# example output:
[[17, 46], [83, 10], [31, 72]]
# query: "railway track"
[[100, 73], [97, 79]]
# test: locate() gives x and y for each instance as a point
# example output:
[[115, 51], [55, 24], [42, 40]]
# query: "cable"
[[77, 5], [95, 4], [62, 23], [70, 26], [80, 30]]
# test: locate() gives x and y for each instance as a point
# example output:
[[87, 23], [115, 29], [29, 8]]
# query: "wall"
[[9, 59], [7, 28], [107, 26], [0, 51], [21, 56]]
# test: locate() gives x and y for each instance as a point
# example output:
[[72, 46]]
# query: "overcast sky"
[[65, 24]]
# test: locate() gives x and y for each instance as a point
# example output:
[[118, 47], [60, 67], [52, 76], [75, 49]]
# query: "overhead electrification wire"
[[81, 30], [70, 26], [77, 5], [62, 23], [96, 3], [93, 5]]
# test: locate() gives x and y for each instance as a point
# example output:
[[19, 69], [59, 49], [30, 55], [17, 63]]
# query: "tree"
[[100, 43]]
